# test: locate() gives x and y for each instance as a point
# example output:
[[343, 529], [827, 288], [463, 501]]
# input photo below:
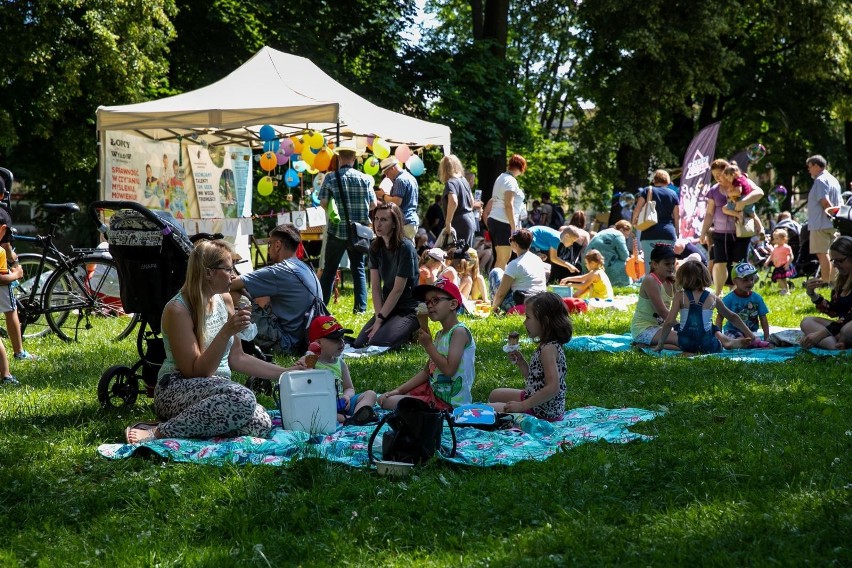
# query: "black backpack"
[[415, 434], [557, 217]]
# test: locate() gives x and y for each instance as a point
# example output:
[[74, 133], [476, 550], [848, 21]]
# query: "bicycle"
[[72, 294]]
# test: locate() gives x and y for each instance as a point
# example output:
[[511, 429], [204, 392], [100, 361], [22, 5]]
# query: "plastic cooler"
[[563, 291], [308, 401]]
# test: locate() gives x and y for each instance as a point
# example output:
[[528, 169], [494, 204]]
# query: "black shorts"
[[500, 232], [729, 248]]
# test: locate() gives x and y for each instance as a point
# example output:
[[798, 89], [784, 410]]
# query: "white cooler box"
[[308, 401]]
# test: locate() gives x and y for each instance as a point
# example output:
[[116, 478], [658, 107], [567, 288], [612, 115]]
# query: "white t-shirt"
[[506, 182], [529, 273]]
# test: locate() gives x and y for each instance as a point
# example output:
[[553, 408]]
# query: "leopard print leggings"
[[206, 407]]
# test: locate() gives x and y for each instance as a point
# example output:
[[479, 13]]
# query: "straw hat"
[[348, 146]]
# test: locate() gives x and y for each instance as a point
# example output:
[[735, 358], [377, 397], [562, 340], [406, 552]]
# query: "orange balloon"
[[323, 159], [297, 144], [268, 161]]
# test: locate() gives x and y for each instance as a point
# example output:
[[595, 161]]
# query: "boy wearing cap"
[[746, 303], [446, 380], [326, 336]]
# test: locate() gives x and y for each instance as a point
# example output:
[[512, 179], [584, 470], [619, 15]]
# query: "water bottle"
[[477, 196], [250, 332]]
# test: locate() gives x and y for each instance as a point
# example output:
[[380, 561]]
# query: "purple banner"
[[695, 180]]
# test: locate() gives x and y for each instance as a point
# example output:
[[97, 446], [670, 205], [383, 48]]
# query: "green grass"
[[750, 465]]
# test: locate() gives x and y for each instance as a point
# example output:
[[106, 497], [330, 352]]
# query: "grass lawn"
[[750, 465]]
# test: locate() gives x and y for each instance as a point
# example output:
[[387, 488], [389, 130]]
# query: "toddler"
[[326, 337], [547, 323], [697, 334], [740, 187], [595, 282], [782, 259], [747, 304]]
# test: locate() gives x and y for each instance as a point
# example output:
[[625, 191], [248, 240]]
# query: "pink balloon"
[[402, 153], [287, 146], [282, 156]]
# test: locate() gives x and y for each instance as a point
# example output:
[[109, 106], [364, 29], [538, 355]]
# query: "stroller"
[[151, 255], [807, 264]]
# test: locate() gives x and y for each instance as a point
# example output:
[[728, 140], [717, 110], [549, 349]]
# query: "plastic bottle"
[[250, 332]]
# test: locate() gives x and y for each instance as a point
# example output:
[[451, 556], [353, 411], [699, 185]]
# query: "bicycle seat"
[[61, 207]]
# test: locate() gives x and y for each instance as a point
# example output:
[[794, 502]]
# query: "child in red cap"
[[326, 336], [447, 378]]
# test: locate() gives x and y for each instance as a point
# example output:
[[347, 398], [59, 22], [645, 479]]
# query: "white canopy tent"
[[288, 92]]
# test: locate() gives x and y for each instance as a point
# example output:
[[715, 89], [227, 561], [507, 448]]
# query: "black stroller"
[[807, 264], [151, 255]]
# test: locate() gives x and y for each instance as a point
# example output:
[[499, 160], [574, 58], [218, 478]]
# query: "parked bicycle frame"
[[72, 295]]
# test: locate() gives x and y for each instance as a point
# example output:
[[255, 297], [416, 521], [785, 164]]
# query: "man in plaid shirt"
[[360, 200]]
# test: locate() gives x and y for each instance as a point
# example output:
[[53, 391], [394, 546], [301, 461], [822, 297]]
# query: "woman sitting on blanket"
[[823, 332], [655, 299], [195, 396]]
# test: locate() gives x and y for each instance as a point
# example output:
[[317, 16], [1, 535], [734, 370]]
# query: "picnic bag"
[[746, 228], [360, 236], [415, 434], [648, 214]]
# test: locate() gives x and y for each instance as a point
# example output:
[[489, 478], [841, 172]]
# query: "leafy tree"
[[61, 60]]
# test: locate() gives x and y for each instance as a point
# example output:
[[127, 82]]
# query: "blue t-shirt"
[[666, 200], [749, 308], [405, 186], [291, 286], [544, 238]]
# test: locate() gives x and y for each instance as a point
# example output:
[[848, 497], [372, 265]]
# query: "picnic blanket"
[[531, 439], [614, 343]]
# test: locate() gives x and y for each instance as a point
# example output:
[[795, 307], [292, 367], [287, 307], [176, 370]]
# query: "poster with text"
[[222, 176]]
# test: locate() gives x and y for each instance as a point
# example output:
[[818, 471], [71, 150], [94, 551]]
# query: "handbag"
[[648, 214], [415, 434], [746, 228], [360, 236]]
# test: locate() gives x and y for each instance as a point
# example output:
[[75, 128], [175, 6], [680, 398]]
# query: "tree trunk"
[[847, 133]]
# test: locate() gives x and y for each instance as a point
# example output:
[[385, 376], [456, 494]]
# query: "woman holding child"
[[393, 276], [195, 396], [728, 249]]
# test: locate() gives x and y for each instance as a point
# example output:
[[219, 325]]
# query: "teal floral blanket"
[[530, 439]]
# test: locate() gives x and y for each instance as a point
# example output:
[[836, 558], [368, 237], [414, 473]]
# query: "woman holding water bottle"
[[457, 202], [195, 396]]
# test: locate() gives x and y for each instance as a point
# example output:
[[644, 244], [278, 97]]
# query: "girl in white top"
[[507, 203]]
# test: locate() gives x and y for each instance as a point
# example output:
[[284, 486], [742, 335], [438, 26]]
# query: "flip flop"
[[144, 426]]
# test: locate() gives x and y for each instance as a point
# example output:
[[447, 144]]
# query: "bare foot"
[[140, 433], [738, 343]]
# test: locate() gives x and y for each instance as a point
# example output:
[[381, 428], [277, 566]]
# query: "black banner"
[[695, 180]]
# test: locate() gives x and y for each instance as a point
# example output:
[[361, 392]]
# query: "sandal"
[[147, 429], [362, 416]]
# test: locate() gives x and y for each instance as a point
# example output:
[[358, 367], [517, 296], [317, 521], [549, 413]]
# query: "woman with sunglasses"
[[195, 396], [823, 332], [393, 275]]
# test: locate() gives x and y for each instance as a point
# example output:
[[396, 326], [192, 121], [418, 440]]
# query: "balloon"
[[323, 159], [626, 200], [288, 147], [415, 165], [271, 145], [267, 133], [402, 153], [315, 199], [265, 185], [297, 144], [371, 165], [312, 171], [381, 149], [369, 140], [308, 155], [780, 190], [315, 140], [299, 166], [282, 156], [268, 161], [386, 185], [291, 178], [755, 152], [317, 184]]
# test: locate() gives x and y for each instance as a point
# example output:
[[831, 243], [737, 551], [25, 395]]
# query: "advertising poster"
[[221, 176], [695, 180]]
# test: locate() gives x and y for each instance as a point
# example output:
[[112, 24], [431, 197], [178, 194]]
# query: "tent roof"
[[286, 91]]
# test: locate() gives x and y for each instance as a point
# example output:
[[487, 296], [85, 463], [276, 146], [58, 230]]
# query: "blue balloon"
[[267, 133], [272, 145], [315, 199], [291, 178]]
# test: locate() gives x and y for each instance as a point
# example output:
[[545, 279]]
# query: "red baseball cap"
[[442, 285], [326, 327]]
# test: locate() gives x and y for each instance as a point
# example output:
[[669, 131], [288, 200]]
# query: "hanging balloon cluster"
[[306, 153], [381, 150]]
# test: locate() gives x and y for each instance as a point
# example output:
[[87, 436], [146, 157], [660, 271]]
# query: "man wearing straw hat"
[[356, 188], [404, 193]]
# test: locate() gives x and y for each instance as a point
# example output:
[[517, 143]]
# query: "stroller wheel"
[[118, 387], [260, 385]]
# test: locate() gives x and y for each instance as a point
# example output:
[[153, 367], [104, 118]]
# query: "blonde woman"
[[471, 282], [457, 202], [195, 396]]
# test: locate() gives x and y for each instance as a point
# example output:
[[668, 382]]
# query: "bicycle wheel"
[[84, 300], [33, 323]]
